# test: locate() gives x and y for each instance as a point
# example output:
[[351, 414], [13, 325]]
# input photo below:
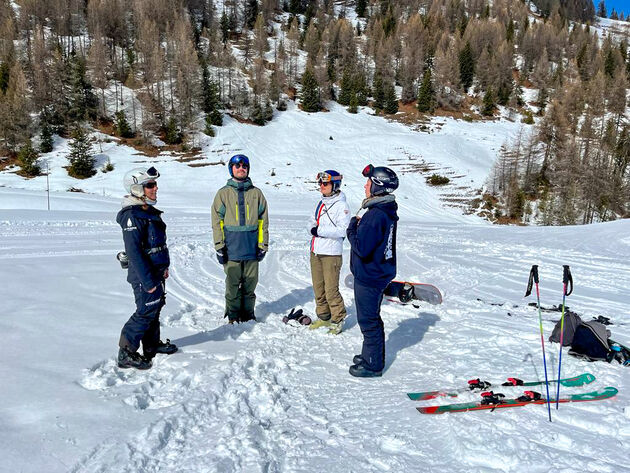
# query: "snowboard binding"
[[489, 398], [478, 384], [529, 396]]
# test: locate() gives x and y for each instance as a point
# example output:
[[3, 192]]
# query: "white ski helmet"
[[135, 179]]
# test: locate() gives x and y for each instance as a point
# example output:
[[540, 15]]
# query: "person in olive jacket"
[[240, 227], [147, 261]]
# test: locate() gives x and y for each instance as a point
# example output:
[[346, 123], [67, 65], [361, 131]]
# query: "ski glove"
[[260, 254], [222, 256], [354, 221], [314, 231]]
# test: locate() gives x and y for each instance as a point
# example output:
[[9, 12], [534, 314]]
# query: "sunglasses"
[[241, 165], [150, 185]]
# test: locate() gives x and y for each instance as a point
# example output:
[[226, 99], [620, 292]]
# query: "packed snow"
[[270, 397]]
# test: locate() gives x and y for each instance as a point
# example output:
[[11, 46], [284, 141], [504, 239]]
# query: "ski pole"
[[567, 280], [533, 276]]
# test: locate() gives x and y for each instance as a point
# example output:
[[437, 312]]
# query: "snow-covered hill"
[[271, 397]]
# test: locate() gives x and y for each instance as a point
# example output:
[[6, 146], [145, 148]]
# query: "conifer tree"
[[83, 101], [172, 133], [360, 8], [225, 28], [466, 66], [80, 157], [27, 158], [488, 103], [46, 138], [354, 104], [391, 100], [257, 114], [122, 126], [268, 111], [310, 96], [426, 94], [346, 87]]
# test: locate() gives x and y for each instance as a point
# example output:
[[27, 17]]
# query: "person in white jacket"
[[328, 231]]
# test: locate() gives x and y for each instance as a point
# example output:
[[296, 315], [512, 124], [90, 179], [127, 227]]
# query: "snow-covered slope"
[[276, 398]]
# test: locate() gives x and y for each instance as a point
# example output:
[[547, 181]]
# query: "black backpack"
[[571, 322], [590, 342]]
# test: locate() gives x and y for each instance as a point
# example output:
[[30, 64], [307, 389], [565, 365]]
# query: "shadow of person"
[[263, 310], [297, 297], [408, 333]]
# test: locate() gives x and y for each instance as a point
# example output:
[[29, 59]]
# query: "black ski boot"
[[246, 317], [166, 348], [357, 359], [132, 359], [360, 371]]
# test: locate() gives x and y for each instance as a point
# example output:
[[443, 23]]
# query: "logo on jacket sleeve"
[[129, 226], [389, 250]]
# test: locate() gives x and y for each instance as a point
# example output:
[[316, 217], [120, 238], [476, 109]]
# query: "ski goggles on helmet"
[[368, 170], [324, 177]]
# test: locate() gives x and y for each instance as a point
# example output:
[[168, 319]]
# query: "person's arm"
[[217, 213], [138, 260], [263, 223], [364, 237]]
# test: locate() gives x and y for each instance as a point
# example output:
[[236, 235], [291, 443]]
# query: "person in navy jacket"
[[372, 240], [144, 235]]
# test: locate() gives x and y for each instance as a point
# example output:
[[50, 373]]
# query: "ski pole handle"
[[567, 280], [533, 278]]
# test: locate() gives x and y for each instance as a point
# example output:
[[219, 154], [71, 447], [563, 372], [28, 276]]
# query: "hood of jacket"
[[245, 185]]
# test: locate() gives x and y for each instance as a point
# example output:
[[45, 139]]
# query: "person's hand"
[[260, 254], [152, 290], [354, 221], [165, 275], [222, 256], [314, 231]]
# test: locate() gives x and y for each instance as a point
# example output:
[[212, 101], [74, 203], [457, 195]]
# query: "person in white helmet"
[[328, 230], [147, 263]]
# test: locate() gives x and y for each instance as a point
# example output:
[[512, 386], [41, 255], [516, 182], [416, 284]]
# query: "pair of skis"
[[491, 400]]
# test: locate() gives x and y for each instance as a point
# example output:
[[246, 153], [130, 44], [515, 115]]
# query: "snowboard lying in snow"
[[407, 292]]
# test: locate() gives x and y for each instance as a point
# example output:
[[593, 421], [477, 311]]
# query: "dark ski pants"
[[241, 279], [144, 325], [368, 302]]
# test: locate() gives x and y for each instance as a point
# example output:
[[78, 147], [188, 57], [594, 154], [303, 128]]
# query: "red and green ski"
[[476, 384], [495, 401]]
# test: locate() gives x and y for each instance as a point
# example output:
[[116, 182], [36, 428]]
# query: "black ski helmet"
[[238, 159], [384, 180]]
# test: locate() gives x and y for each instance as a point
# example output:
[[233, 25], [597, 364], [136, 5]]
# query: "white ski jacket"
[[332, 217]]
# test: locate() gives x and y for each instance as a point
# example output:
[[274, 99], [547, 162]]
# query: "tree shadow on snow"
[[282, 306], [408, 333]]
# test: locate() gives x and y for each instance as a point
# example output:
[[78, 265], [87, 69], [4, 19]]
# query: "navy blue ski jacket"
[[373, 243], [144, 234]]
